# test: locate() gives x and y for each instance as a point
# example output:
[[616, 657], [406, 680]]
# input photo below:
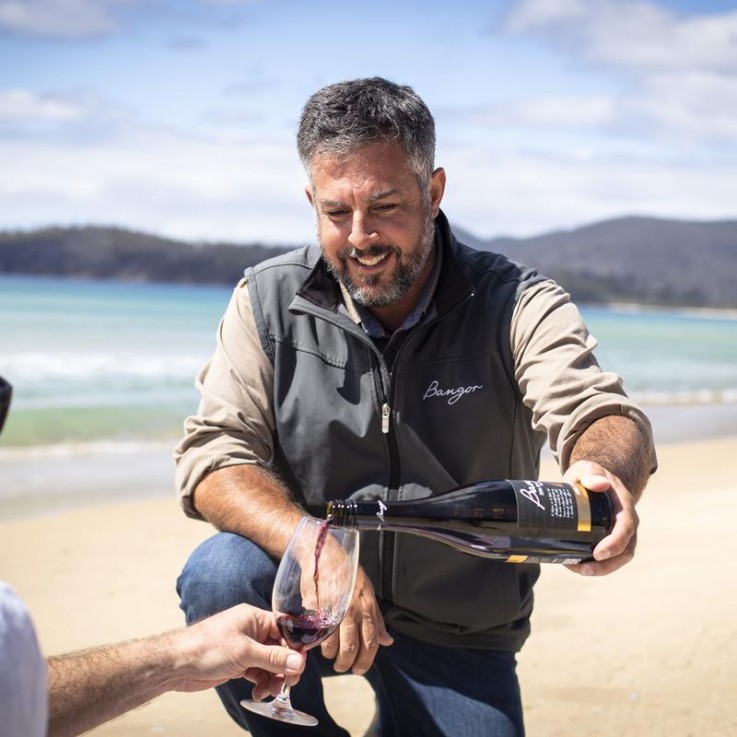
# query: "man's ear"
[[437, 190], [308, 192]]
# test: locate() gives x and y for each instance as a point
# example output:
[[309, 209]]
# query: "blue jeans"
[[421, 689]]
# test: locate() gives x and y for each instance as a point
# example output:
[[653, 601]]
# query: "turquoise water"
[[107, 362], [93, 361], [669, 357]]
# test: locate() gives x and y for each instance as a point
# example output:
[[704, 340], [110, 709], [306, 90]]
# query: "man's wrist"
[[176, 653]]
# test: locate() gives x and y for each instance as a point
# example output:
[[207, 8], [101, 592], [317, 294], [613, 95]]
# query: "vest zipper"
[[386, 411]]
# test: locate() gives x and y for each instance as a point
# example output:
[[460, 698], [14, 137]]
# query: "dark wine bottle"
[[512, 521]]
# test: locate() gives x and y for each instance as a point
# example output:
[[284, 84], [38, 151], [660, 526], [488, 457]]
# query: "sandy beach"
[[650, 651]]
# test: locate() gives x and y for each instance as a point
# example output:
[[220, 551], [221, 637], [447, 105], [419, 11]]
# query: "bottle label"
[[549, 505]]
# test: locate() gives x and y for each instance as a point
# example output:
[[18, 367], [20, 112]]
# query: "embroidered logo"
[[453, 394]]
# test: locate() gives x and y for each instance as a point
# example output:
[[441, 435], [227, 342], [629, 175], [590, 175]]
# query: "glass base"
[[281, 712]]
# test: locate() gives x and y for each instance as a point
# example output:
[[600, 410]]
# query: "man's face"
[[374, 224]]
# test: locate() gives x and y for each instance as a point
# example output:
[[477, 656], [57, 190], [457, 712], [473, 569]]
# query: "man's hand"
[[93, 686], [355, 644], [241, 642], [617, 548]]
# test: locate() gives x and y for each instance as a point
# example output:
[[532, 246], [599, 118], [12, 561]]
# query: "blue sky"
[[177, 117]]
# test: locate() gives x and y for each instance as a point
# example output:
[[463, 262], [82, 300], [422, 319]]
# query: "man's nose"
[[363, 233]]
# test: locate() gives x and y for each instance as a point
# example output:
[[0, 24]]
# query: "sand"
[[650, 650]]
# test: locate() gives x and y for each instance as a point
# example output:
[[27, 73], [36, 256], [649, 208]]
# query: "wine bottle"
[[508, 520]]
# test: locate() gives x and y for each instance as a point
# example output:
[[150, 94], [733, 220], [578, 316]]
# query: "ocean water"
[[102, 362], [112, 365], [669, 357]]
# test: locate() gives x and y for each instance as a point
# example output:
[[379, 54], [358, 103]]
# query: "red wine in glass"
[[312, 591], [302, 631]]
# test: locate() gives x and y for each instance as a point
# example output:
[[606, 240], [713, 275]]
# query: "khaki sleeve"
[[234, 423], [558, 375]]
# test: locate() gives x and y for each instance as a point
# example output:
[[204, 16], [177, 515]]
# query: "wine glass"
[[312, 590]]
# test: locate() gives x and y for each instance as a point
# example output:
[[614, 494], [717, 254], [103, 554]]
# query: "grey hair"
[[342, 117]]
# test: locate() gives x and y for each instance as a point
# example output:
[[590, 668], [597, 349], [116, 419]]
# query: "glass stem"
[[281, 702]]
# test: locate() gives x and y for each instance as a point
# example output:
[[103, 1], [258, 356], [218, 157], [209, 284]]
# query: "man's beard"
[[405, 274]]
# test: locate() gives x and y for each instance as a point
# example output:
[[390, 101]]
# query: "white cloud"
[[559, 111], [18, 106], [656, 40], [527, 193], [696, 106], [526, 15], [70, 20], [161, 181], [62, 19], [629, 34], [675, 73]]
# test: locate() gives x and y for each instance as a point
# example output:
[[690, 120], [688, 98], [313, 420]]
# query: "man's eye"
[[387, 207], [336, 213]]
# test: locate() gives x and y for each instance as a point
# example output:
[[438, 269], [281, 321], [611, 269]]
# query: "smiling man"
[[393, 362]]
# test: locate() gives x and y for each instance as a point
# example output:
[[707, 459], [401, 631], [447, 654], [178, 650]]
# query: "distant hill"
[[116, 253], [635, 259]]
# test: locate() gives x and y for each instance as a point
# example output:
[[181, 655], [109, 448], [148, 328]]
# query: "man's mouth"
[[369, 258]]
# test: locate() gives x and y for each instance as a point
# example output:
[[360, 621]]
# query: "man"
[[332, 377], [67, 695]]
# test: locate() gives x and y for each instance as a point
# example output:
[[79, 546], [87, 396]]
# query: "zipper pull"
[[386, 411]]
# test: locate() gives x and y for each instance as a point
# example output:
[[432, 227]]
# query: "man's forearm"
[[250, 501], [617, 444], [94, 686]]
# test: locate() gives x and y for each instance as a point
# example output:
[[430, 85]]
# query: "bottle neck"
[[342, 513]]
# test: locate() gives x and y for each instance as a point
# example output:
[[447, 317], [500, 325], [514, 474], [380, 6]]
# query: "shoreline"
[[722, 313]]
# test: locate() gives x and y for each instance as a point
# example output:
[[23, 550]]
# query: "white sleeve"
[[23, 691]]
